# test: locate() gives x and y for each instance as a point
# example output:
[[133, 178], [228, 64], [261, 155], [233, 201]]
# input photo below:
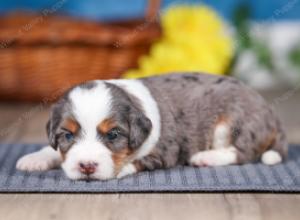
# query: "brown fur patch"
[[121, 157], [263, 147], [222, 119], [63, 155], [106, 125], [71, 125]]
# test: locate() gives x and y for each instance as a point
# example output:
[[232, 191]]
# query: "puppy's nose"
[[87, 168]]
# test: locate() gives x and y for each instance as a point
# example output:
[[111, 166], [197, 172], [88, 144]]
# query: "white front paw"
[[127, 170], [42, 160]]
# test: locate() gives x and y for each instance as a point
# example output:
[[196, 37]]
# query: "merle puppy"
[[106, 129]]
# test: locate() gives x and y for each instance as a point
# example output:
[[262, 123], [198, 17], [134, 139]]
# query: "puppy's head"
[[97, 127]]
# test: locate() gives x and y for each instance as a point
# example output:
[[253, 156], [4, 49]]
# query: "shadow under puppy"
[[106, 129]]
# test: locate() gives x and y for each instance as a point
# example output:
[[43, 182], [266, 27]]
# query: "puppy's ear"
[[53, 124], [51, 134], [140, 127]]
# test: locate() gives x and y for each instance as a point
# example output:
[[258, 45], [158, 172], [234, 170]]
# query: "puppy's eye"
[[112, 134], [69, 136]]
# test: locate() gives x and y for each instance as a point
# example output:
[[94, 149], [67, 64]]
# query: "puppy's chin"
[[76, 175]]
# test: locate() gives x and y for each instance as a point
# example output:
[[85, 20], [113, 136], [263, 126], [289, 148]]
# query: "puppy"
[[106, 129]]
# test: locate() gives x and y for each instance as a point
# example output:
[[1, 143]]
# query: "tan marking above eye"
[[106, 125], [71, 125]]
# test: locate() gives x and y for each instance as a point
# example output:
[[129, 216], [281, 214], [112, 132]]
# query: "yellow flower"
[[193, 39]]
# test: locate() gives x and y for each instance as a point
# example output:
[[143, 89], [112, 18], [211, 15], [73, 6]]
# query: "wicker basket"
[[41, 55]]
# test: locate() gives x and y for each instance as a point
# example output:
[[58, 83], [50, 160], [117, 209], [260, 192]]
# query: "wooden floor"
[[26, 123], [149, 206]]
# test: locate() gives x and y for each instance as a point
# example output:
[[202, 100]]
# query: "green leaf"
[[240, 20], [294, 56], [263, 53]]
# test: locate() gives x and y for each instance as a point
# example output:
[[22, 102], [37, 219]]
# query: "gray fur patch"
[[189, 114], [191, 78], [88, 85], [220, 80]]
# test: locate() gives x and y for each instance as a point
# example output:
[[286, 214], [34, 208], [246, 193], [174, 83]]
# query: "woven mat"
[[251, 177]]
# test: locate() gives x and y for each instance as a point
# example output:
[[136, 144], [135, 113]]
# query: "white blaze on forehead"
[[91, 106], [149, 105]]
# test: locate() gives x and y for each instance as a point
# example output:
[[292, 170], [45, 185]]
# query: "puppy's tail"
[[277, 151]]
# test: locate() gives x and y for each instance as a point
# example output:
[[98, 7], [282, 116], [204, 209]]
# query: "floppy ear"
[[52, 125], [51, 135], [139, 126]]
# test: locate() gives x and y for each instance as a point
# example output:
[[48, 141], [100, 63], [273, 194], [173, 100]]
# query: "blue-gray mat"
[[251, 177]]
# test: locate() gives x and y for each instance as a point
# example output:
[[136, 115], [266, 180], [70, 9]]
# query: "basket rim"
[[56, 30]]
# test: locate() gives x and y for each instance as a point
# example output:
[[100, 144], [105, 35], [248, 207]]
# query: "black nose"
[[87, 168]]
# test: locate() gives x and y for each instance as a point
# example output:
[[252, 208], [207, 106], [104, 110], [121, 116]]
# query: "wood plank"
[[23, 123], [278, 206], [11, 121], [149, 206], [34, 128]]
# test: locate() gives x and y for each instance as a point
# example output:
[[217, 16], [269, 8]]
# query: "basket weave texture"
[[42, 55]]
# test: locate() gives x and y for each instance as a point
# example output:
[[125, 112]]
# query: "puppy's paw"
[[215, 157], [203, 159], [42, 160], [127, 170]]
